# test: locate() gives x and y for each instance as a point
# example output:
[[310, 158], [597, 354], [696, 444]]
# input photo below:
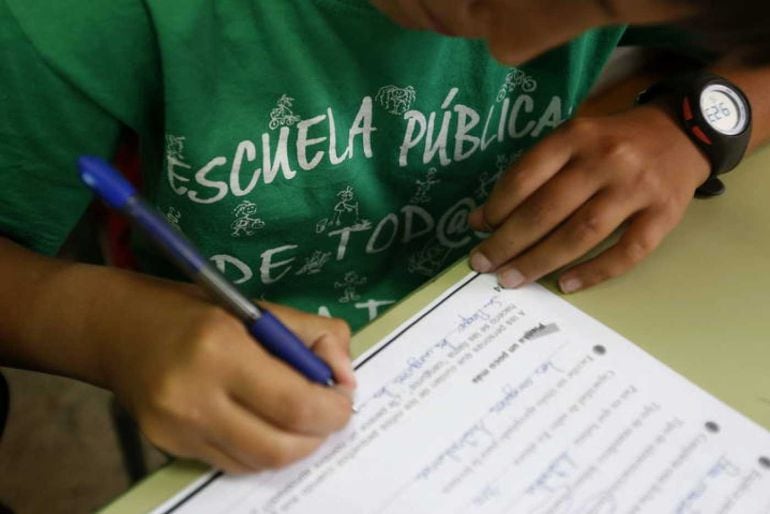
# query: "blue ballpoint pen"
[[119, 194]]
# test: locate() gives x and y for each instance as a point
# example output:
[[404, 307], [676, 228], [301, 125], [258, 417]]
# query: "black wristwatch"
[[715, 114]]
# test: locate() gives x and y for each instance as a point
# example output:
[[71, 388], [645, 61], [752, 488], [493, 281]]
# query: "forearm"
[[189, 373], [60, 317]]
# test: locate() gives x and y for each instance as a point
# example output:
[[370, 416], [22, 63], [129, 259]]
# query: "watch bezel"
[[737, 99]]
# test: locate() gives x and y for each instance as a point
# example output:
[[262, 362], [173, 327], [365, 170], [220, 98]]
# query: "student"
[[325, 159]]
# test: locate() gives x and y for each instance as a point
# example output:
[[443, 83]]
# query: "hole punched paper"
[[496, 401]]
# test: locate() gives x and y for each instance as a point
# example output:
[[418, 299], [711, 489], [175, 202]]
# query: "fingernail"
[[347, 376], [570, 285], [480, 263], [511, 279]]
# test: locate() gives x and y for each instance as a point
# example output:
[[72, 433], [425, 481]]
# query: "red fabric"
[[117, 231]]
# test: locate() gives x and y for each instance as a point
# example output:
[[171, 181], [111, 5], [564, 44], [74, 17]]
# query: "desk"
[[700, 303]]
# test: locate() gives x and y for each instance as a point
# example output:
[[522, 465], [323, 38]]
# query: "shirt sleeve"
[[65, 91]]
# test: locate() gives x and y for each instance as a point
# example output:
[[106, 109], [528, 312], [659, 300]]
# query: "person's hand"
[[580, 184], [200, 387]]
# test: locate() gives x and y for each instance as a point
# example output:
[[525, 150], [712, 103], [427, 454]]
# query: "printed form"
[[496, 401]]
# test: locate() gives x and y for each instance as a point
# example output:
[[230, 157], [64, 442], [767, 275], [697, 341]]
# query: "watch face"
[[723, 109]]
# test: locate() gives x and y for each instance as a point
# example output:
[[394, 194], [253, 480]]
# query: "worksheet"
[[500, 401]]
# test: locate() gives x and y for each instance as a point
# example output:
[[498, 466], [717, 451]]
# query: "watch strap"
[[723, 151]]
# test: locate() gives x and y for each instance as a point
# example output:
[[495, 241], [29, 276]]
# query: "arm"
[[635, 169], [189, 372]]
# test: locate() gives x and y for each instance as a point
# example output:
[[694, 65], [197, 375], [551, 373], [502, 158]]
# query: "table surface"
[[700, 304]]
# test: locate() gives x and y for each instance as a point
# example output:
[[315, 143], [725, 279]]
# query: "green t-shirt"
[[319, 155]]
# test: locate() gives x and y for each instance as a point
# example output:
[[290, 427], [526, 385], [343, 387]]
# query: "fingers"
[[237, 442], [328, 337], [536, 168], [202, 388], [584, 230], [223, 461], [272, 390], [195, 437], [255, 444], [338, 359], [574, 189], [643, 236], [538, 216], [243, 410], [309, 328]]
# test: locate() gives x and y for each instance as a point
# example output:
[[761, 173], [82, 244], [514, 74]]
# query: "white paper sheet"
[[497, 401]]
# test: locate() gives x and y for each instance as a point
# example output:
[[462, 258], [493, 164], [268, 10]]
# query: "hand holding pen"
[[201, 389]]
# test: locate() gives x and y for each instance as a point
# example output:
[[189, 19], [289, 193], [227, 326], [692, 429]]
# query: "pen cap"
[[105, 181]]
